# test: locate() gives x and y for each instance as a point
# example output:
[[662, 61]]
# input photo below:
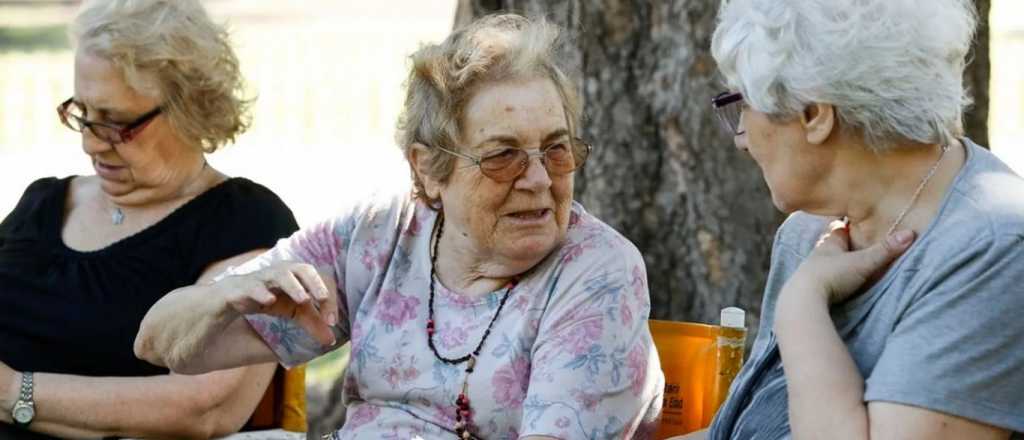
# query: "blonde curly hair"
[[171, 50], [445, 76]]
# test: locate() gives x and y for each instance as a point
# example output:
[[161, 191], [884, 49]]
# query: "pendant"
[[117, 216]]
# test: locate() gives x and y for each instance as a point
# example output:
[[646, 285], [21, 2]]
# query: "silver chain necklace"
[[917, 193]]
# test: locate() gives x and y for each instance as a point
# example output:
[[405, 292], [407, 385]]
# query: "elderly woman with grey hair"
[[893, 304], [82, 258], [480, 303]]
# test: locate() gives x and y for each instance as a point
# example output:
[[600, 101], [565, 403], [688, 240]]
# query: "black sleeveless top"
[[71, 312]]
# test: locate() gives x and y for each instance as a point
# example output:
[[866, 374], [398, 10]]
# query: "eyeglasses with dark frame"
[[112, 134], [728, 107], [507, 164]]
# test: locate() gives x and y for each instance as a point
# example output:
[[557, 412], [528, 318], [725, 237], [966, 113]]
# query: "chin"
[[115, 188], [531, 249]]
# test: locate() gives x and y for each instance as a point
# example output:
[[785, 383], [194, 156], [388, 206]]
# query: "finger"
[[307, 317], [311, 281], [287, 283], [328, 298], [870, 260]]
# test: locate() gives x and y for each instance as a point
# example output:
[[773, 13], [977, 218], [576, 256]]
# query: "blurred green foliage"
[[33, 38]]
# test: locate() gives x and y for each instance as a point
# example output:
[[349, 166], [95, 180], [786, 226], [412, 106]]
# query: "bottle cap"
[[733, 317]]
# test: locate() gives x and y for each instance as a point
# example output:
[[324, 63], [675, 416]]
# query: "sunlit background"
[[328, 77]]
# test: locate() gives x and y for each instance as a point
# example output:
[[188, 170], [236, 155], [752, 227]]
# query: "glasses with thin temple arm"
[[728, 107], [507, 164]]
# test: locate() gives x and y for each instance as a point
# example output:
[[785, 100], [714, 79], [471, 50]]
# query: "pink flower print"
[[639, 283], [364, 413], [319, 246], [410, 373], [573, 251], [562, 422], [510, 383], [626, 314], [452, 336], [393, 376], [401, 371], [589, 401], [520, 302], [394, 309], [636, 364], [445, 414], [583, 332], [455, 300], [574, 218], [373, 257], [414, 226]]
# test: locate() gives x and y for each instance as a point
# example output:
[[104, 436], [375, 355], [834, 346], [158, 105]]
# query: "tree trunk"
[[976, 78], [663, 172]]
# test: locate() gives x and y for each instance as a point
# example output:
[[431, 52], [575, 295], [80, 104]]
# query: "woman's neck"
[[192, 181], [462, 268], [876, 190]]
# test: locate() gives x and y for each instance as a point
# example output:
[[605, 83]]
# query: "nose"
[[92, 145], [535, 178], [740, 140]]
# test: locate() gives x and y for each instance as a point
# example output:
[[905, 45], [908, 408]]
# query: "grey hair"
[[444, 77], [893, 69]]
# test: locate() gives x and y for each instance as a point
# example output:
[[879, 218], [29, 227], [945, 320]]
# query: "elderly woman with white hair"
[[893, 304]]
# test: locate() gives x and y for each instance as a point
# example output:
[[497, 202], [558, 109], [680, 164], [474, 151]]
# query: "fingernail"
[[332, 319], [901, 238]]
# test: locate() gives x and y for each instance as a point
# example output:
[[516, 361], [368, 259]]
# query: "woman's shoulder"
[[590, 239], [34, 201], [986, 198]]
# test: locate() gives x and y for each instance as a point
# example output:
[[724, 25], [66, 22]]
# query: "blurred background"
[[328, 80]]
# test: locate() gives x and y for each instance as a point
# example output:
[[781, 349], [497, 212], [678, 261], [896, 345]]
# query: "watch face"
[[23, 413]]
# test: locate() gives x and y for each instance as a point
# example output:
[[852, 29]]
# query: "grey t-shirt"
[[943, 329]]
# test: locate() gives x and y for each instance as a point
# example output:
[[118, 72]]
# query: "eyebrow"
[[507, 139], [107, 113]]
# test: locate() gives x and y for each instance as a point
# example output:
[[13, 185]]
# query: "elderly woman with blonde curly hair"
[[893, 305], [483, 302], [82, 258]]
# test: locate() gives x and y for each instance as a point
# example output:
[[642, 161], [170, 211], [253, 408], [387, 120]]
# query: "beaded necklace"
[[463, 411]]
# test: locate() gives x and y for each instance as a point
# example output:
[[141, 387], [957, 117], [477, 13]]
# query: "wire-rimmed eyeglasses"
[[506, 164]]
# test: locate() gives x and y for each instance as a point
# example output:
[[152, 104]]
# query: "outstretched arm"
[[201, 328]]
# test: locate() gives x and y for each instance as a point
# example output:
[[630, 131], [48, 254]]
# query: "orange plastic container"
[[700, 362]]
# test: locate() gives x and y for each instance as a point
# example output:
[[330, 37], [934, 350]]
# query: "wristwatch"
[[25, 408]]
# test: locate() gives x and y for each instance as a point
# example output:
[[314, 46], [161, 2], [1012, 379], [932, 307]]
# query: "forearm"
[[817, 363], [148, 407], [179, 328]]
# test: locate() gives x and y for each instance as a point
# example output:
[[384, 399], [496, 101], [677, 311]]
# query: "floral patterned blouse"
[[570, 356]]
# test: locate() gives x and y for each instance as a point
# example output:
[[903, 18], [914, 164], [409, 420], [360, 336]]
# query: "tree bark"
[[663, 173], [976, 79]]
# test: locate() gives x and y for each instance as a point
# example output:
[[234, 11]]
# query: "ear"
[[819, 120], [417, 156]]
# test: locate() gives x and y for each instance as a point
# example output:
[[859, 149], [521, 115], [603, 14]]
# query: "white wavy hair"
[[893, 69]]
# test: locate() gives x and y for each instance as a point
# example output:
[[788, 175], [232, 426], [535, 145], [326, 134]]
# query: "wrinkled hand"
[[835, 272], [289, 290]]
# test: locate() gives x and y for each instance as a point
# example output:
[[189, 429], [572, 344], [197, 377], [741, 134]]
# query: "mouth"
[[530, 215], [107, 170]]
